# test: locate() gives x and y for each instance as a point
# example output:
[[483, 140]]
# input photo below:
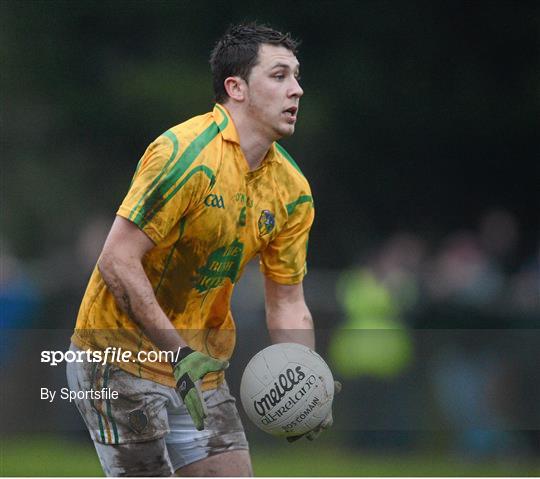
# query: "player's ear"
[[235, 88]]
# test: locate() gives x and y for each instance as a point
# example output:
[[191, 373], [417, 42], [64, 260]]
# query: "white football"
[[287, 389]]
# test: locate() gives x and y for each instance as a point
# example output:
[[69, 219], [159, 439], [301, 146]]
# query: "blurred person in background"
[[373, 348], [375, 298], [478, 292], [20, 300], [207, 196], [499, 235], [463, 273]]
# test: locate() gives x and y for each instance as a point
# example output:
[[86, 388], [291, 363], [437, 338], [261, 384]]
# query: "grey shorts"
[[147, 430]]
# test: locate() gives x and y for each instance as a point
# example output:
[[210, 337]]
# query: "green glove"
[[188, 371], [328, 421]]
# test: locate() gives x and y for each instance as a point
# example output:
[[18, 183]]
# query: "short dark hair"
[[236, 52]]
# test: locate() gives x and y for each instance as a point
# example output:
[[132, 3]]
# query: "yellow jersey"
[[194, 195]]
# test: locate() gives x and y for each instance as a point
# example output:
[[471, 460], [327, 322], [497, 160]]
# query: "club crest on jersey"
[[266, 222]]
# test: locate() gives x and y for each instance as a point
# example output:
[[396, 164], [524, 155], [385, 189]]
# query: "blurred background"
[[418, 132]]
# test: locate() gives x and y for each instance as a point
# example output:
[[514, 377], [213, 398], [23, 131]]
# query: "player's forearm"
[[126, 279], [291, 325]]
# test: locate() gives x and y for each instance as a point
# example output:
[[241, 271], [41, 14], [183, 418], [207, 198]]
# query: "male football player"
[[207, 196]]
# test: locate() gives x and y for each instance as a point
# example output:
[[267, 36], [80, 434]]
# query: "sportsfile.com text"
[[108, 355]]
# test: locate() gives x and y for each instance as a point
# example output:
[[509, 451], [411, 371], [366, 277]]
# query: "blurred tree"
[[416, 114]]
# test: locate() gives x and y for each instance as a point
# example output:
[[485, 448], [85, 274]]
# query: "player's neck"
[[253, 142], [254, 149]]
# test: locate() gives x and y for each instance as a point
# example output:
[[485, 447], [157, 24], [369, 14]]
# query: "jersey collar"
[[229, 133], [225, 123]]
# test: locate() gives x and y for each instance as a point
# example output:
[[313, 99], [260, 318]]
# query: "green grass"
[[315, 461], [48, 456], [51, 456]]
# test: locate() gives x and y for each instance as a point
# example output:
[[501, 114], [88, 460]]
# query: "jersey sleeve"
[[284, 259], [165, 186]]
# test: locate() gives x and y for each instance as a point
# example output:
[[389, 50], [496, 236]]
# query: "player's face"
[[273, 92]]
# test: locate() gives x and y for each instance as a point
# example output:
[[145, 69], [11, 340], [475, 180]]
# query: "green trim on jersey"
[[155, 201], [108, 404], [101, 430], [171, 136], [284, 152], [225, 122], [299, 201], [207, 171], [96, 410]]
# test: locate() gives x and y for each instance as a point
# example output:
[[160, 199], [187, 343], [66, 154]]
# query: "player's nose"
[[296, 90]]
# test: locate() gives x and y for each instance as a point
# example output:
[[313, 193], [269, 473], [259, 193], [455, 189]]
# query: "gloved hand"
[[188, 371], [328, 421]]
